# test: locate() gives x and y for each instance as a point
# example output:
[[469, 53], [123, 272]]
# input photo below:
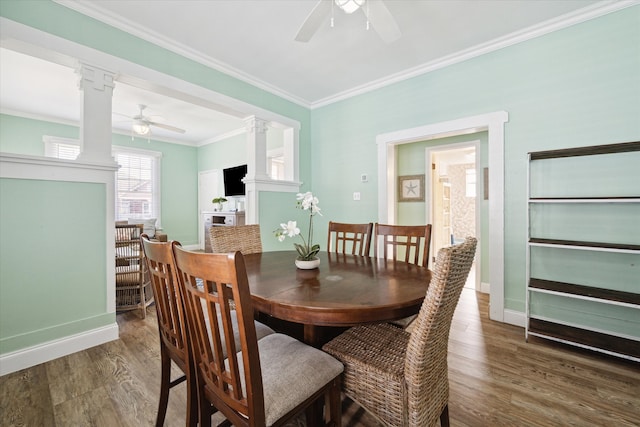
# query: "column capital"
[[255, 124], [95, 77]]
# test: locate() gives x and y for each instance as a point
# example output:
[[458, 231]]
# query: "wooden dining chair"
[[270, 380], [400, 377], [172, 327], [354, 239], [413, 240], [243, 238]]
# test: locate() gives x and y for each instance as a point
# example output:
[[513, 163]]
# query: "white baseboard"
[[25, 358], [516, 318], [485, 288]]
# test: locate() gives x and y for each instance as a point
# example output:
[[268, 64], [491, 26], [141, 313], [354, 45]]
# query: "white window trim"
[[156, 172], [49, 140]]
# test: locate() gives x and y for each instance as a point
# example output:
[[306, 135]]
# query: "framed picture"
[[411, 188]]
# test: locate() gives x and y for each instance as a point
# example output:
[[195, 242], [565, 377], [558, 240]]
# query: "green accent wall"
[[45, 224], [574, 87], [179, 168], [24, 136]]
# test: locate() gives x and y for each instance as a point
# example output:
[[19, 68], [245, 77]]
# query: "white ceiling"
[[254, 41]]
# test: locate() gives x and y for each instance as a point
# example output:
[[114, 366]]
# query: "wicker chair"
[[413, 239], [401, 377], [341, 236], [270, 380], [243, 238], [133, 289]]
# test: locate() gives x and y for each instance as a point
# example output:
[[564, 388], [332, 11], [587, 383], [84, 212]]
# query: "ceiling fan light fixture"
[[349, 6], [140, 127]]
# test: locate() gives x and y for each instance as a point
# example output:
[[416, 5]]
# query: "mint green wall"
[[46, 224], [223, 154], [178, 181], [24, 136], [577, 86]]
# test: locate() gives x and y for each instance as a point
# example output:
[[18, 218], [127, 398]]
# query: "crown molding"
[[135, 29], [549, 26], [590, 12]]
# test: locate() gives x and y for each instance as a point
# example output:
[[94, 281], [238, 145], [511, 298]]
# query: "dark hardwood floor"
[[496, 378]]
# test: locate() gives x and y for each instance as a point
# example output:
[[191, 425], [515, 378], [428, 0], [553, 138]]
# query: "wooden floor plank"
[[496, 379]]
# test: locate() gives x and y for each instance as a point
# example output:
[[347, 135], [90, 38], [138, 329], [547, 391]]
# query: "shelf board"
[[586, 291], [615, 199], [624, 147], [595, 340], [581, 244]]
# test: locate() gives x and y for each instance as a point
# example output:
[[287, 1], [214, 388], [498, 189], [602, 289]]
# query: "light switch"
[[356, 195]]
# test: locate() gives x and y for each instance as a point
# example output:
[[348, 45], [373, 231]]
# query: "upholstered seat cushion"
[[291, 372]]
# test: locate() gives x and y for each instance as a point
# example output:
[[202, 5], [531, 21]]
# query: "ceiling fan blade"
[[313, 21], [381, 20], [167, 127]]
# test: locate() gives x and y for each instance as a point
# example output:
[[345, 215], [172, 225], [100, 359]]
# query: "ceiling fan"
[[375, 10], [142, 124]]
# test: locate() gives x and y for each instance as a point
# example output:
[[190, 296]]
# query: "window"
[[137, 183], [470, 183], [276, 167], [61, 148], [275, 163], [137, 179]]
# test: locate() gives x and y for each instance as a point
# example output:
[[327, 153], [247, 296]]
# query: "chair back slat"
[[213, 284], [354, 239], [413, 240], [426, 358]]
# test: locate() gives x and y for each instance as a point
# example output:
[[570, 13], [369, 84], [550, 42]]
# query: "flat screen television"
[[233, 185]]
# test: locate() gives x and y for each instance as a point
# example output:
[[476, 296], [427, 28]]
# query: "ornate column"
[[96, 85], [256, 165]]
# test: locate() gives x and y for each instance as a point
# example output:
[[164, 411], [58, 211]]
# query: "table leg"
[[311, 335]]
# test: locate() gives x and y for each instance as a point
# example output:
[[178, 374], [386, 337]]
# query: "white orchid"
[[308, 202], [290, 229], [307, 250]]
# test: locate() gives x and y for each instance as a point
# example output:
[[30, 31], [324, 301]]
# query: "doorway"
[[454, 206], [493, 123]]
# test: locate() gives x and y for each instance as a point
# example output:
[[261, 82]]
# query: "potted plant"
[[218, 201], [307, 251]]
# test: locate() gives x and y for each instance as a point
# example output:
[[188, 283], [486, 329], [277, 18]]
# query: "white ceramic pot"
[[308, 265]]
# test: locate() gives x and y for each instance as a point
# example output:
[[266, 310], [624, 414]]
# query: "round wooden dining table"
[[345, 290]]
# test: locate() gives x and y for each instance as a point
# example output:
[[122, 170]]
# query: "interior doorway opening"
[[493, 123], [454, 204]]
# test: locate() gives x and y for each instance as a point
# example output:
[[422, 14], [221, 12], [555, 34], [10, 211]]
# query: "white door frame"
[[493, 123]]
